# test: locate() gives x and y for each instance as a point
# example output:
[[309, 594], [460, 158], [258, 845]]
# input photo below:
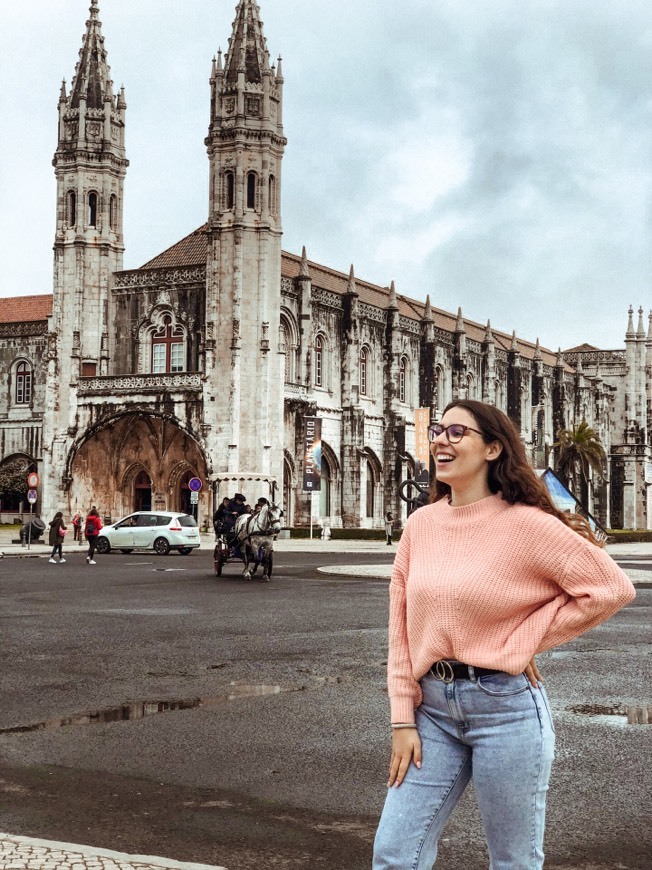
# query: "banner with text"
[[421, 445], [312, 455]]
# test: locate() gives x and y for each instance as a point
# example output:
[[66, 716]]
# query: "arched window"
[[285, 350], [251, 190], [364, 382], [71, 209], [402, 373], [371, 488], [319, 361], [272, 194], [325, 492], [229, 190], [168, 348], [92, 209], [23, 394], [113, 211]]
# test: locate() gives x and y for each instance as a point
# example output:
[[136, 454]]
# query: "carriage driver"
[[234, 509]]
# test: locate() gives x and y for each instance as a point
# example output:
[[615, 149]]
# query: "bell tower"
[[90, 167], [245, 142]]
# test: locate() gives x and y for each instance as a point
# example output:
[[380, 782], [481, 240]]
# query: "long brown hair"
[[510, 473]]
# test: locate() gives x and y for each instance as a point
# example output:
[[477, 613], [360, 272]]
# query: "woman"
[[57, 532], [485, 576], [92, 530], [389, 524]]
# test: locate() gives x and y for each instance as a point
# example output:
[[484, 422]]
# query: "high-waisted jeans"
[[498, 732]]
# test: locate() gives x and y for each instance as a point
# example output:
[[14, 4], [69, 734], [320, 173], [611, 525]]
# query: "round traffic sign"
[[32, 480], [32, 496], [194, 484]]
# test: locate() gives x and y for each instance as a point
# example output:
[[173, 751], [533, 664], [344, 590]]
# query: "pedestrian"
[[57, 533], [389, 524], [485, 576], [91, 531], [218, 516], [76, 526]]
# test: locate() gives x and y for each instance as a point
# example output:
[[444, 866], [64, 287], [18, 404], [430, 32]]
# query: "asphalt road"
[[283, 763]]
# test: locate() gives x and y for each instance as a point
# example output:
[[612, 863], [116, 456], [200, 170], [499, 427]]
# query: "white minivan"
[[160, 531]]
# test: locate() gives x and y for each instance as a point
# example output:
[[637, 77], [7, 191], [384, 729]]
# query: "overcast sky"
[[492, 153]]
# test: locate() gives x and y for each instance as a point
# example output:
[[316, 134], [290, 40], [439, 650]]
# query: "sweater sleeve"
[[596, 588], [404, 691]]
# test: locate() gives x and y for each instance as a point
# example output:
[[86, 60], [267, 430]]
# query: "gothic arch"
[[289, 343], [373, 476], [104, 462], [331, 482]]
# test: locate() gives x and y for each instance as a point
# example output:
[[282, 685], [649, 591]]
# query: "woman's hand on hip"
[[406, 747], [532, 673]]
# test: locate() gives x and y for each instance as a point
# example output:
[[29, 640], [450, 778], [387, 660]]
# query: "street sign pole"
[[32, 495]]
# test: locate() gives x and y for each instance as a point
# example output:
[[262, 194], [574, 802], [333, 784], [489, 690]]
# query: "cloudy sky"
[[492, 153]]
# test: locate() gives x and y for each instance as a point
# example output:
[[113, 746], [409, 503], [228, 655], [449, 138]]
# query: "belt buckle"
[[443, 670]]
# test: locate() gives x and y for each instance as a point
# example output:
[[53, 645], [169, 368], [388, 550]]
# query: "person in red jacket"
[[92, 530]]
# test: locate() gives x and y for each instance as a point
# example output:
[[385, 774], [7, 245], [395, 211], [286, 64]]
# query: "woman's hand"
[[532, 673], [406, 747]]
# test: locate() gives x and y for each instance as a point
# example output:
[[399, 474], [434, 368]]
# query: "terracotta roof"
[[581, 348], [191, 251], [25, 309]]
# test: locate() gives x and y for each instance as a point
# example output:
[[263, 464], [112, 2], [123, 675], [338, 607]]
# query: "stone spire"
[[427, 311], [630, 324], [392, 303], [304, 271], [514, 344], [351, 287], [92, 80], [459, 323], [537, 351], [559, 362], [247, 52], [640, 332], [488, 334]]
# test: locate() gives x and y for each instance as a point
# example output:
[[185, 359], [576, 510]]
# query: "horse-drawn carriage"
[[251, 541]]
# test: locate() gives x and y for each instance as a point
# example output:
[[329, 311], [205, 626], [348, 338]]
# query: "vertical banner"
[[422, 446], [312, 455]]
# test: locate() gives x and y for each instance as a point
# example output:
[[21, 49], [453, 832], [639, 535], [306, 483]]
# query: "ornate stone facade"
[[204, 362]]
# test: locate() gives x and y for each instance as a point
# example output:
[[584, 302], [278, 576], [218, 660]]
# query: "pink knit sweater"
[[490, 584]]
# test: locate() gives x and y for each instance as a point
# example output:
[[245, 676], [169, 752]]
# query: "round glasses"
[[454, 433]]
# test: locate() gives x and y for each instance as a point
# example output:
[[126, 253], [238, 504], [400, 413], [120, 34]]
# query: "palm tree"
[[578, 451]]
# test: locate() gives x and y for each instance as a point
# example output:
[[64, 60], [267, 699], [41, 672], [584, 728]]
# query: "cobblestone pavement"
[[22, 853]]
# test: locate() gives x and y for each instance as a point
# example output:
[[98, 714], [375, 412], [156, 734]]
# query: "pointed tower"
[[90, 167], [245, 146]]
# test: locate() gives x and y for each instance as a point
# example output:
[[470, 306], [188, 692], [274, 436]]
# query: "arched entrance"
[[184, 494], [137, 462], [142, 492]]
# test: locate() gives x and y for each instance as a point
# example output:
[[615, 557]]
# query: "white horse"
[[255, 534]]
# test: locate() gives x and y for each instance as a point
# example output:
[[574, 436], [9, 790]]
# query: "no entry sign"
[[32, 480]]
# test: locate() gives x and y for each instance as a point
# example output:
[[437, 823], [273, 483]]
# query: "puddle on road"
[[141, 709]]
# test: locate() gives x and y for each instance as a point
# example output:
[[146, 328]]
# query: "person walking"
[[389, 524], [485, 576], [91, 531], [56, 536], [76, 525]]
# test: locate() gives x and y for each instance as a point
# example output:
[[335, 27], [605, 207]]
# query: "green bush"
[[344, 534], [629, 536]]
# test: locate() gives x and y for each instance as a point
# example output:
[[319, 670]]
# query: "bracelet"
[[404, 725]]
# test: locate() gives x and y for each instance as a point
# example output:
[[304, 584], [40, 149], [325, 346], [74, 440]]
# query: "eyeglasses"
[[454, 433]]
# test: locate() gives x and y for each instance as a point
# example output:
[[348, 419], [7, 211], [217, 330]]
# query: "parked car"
[[160, 531]]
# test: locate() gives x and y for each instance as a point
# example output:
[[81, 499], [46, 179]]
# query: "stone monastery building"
[[122, 385]]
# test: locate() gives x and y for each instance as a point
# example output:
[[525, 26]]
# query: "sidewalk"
[[24, 853]]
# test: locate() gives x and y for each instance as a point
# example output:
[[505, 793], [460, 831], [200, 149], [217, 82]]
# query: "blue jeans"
[[497, 731]]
